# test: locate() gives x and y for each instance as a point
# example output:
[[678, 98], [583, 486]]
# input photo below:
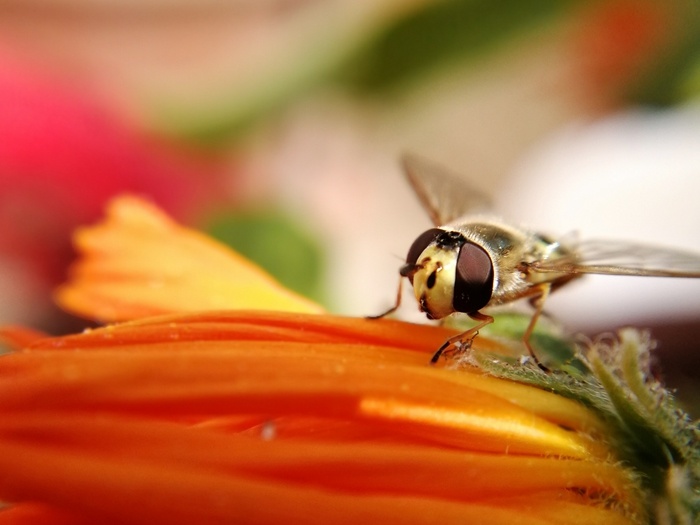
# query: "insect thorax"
[[511, 250]]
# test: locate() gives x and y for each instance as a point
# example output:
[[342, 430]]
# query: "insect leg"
[[465, 337], [396, 304], [537, 303]]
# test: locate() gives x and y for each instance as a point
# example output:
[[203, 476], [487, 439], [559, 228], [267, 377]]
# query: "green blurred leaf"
[[445, 33], [278, 244], [675, 75], [373, 55]]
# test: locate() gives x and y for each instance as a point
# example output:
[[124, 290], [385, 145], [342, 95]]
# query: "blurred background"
[[276, 125]]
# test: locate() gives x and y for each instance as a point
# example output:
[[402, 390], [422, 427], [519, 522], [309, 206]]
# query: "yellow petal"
[[139, 262]]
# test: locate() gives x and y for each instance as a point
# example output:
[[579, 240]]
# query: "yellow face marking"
[[434, 281]]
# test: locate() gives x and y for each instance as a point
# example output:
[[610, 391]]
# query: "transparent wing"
[[624, 258], [444, 195]]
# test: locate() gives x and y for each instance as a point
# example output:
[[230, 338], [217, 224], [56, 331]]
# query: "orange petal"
[[328, 366], [375, 467], [37, 514], [260, 325], [134, 471], [261, 417], [17, 337], [382, 341], [139, 262]]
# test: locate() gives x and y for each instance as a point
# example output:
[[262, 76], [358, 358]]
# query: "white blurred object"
[[633, 176], [331, 168]]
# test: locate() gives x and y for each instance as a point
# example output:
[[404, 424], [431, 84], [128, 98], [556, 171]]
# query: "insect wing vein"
[[445, 196], [623, 258]]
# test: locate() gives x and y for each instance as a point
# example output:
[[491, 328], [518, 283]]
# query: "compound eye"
[[421, 243], [473, 279]]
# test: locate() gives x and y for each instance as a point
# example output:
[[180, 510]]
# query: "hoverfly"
[[470, 262]]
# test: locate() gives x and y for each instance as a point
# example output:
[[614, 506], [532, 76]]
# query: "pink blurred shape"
[[63, 154]]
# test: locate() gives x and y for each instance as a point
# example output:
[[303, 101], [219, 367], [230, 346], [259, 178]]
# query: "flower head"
[[263, 416]]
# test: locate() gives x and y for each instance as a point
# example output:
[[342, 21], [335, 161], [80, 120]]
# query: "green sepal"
[[649, 432]]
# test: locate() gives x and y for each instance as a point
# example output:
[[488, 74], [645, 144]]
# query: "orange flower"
[[253, 416]]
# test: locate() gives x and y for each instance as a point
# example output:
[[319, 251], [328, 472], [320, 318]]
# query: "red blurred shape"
[[63, 154]]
